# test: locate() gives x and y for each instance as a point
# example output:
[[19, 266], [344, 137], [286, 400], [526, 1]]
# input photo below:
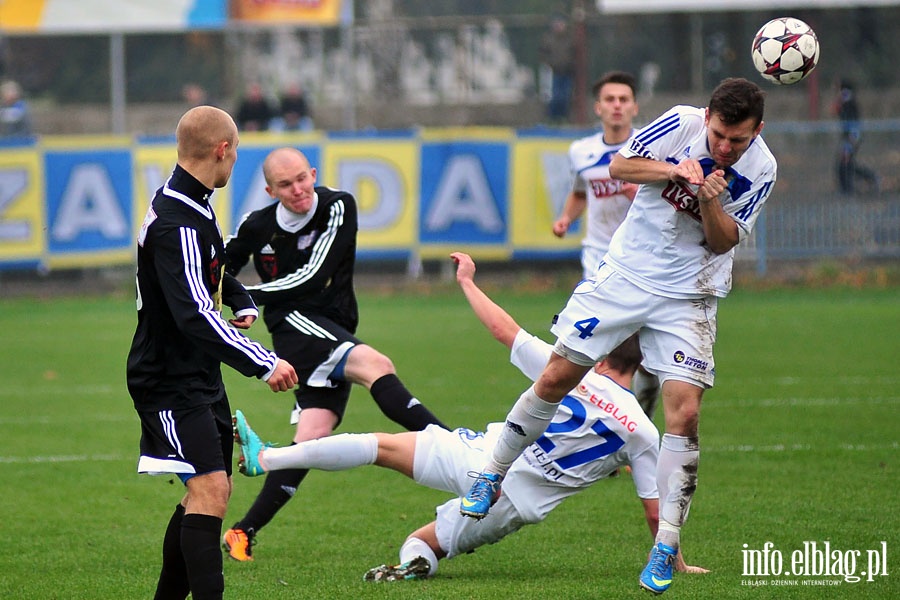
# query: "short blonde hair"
[[201, 129]]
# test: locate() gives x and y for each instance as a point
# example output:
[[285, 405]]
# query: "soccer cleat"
[[417, 568], [238, 543], [250, 446], [483, 494], [657, 575]]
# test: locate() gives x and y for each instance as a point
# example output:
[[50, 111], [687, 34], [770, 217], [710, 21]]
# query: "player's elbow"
[[722, 246], [503, 333], [616, 167], [721, 240]]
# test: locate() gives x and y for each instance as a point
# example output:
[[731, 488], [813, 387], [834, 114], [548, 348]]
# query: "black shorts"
[[315, 345], [188, 442]]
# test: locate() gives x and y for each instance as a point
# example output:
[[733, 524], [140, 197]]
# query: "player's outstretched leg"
[[417, 568], [481, 496], [250, 446], [657, 575]]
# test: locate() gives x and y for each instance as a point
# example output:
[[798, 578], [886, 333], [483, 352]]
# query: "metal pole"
[[349, 75], [761, 244], [578, 97], [697, 67], [117, 81]]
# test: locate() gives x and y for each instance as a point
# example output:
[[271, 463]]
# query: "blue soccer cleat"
[[250, 446], [483, 494], [657, 575]]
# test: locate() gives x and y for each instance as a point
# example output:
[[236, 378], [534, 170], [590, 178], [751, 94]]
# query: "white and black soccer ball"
[[785, 50]]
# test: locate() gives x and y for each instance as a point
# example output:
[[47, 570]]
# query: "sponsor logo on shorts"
[[684, 360]]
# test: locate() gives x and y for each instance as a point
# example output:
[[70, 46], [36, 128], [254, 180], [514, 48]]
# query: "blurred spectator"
[[295, 114], [557, 51], [15, 120], [254, 112], [848, 167], [194, 95]]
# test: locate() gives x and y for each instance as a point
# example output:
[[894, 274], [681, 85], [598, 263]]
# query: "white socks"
[[414, 547], [526, 421], [676, 474], [332, 453]]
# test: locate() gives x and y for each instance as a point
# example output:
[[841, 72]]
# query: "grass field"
[[799, 438]]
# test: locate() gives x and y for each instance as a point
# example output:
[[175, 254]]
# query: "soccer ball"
[[785, 50]]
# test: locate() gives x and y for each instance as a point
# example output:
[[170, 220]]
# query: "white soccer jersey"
[[661, 247], [589, 159], [598, 428]]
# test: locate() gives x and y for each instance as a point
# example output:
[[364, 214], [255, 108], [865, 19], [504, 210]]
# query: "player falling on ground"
[[705, 174], [605, 200], [600, 429]]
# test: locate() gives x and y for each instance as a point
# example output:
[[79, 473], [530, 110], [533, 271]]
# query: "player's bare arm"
[[683, 567], [499, 322], [637, 169], [720, 230], [574, 207]]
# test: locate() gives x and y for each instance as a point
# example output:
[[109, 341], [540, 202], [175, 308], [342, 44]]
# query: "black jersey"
[[181, 337], [309, 270]]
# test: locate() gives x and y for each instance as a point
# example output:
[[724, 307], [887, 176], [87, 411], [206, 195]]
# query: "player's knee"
[[366, 364], [315, 423], [554, 383], [683, 419], [382, 364], [208, 494]]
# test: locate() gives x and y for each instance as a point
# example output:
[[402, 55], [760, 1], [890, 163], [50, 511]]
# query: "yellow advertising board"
[[383, 176], [22, 214], [540, 184], [152, 166]]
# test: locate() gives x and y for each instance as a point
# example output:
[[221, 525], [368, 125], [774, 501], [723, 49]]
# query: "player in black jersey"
[[174, 375], [304, 250]]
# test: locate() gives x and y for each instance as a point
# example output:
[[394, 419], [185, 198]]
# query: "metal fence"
[[845, 229]]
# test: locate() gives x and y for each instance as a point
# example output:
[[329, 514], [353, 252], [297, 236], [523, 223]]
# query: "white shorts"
[[443, 461], [591, 259], [677, 335]]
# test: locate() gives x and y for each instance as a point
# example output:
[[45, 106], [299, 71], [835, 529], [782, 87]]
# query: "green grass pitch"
[[799, 444]]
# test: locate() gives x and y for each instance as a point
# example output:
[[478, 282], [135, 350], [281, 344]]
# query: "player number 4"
[[586, 327]]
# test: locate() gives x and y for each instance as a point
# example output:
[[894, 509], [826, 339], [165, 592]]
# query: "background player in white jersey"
[[606, 200], [600, 429], [705, 174]]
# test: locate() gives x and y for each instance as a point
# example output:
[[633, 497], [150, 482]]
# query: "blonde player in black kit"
[[304, 250], [174, 375]]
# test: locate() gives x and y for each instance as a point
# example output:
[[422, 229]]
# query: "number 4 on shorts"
[[586, 327]]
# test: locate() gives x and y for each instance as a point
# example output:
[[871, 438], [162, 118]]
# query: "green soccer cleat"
[[250, 446], [417, 568]]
